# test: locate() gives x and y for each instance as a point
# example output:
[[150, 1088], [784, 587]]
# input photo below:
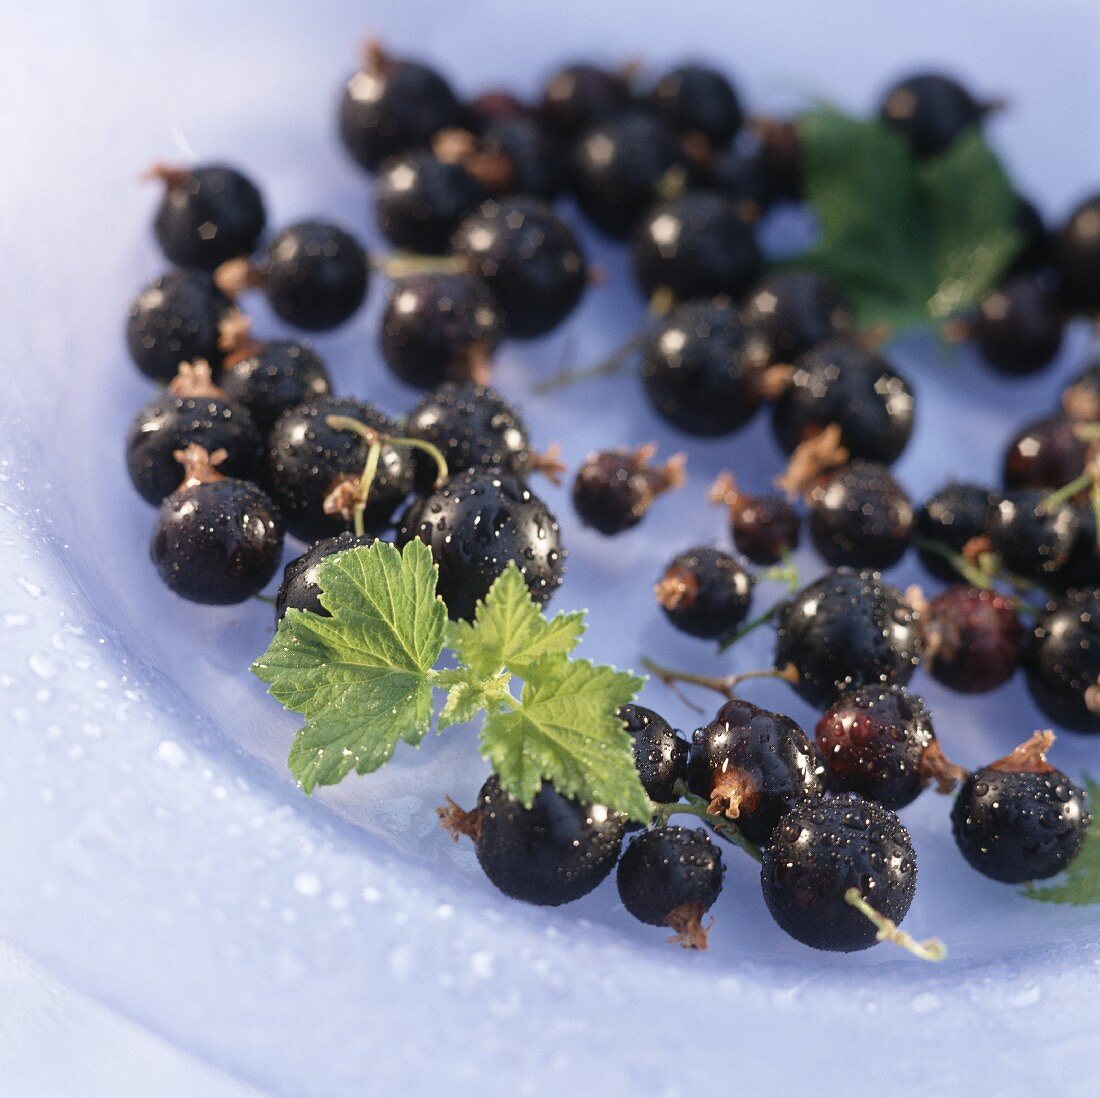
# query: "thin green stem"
[[428, 448], [931, 949], [611, 364], [269, 599], [404, 264], [370, 469], [1068, 491], [750, 625], [969, 571], [693, 805], [724, 684], [786, 572]]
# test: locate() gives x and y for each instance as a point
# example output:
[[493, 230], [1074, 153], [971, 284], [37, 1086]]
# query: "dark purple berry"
[[764, 528], [930, 111], [740, 176], [1034, 541], [696, 99], [539, 164], [495, 105], [660, 752], [1082, 567], [705, 593], [1063, 661], [1077, 258], [301, 589], [952, 517], [578, 95], [1036, 243], [614, 489], [269, 378], [795, 310], [1045, 454], [972, 639]]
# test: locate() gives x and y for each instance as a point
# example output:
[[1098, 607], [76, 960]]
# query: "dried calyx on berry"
[[764, 528], [614, 489], [705, 592]]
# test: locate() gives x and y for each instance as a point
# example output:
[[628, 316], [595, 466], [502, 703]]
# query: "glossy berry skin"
[[705, 593], [696, 245], [274, 377], [660, 752], [439, 327], [1045, 454], [861, 516], [701, 369], [795, 310], [473, 427], [530, 260], [393, 105], [315, 275], [1032, 541], [778, 153], [614, 489], [208, 214], [874, 741], [552, 853], [1036, 240], [1018, 328], [695, 99], [1082, 567], [930, 111], [478, 522], [972, 639], [823, 847], [301, 589], [847, 629], [1081, 397], [1077, 258], [737, 174], [666, 868], [753, 766], [419, 201], [540, 167], [618, 166], [578, 95], [765, 528], [843, 383], [308, 459], [217, 543], [175, 319], [168, 423], [1063, 661], [953, 516]]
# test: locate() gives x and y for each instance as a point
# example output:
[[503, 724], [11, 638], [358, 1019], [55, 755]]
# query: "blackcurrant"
[[300, 589], [539, 165], [795, 310], [952, 517], [1036, 243], [847, 629], [1045, 454], [269, 378], [1062, 660], [705, 592], [1077, 258], [1033, 540], [1082, 567], [660, 752], [930, 110], [614, 489], [776, 147], [579, 94], [741, 176], [696, 99], [972, 639], [1019, 819], [764, 528]]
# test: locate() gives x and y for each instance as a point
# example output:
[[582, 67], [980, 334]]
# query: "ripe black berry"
[[477, 523], [1077, 258], [1082, 567], [879, 742], [217, 540], [847, 629], [695, 245], [310, 460], [701, 368], [1081, 397], [300, 589], [614, 489], [753, 766], [952, 517], [1063, 661], [777, 148], [822, 848], [208, 214], [618, 166], [175, 319], [392, 105], [861, 516], [660, 752], [795, 310], [552, 853], [695, 99], [930, 111], [1019, 819], [529, 258], [1036, 241], [1045, 454], [1034, 541], [671, 876], [739, 175], [268, 378], [705, 592], [972, 639], [764, 528], [578, 95], [841, 382], [539, 166]]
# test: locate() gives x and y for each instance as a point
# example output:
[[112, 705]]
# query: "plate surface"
[[169, 895]]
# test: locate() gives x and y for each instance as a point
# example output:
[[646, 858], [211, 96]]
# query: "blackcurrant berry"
[[972, 639], [269, 378], [660, 752], [1019, 819], [695, 245], [795, 310], [176, 318], [495, 105], [618, 167], [539, 165], [1062, 661], [705, 592], [695, 99], [841, 382], [1034, 541], [208, 214], [753, 766], [931, 111], [529, 258], [764, 528], [952, 517], [671, 876], [614, 489], [1082, 567], [578, 95], [777, 148], [1081, 398], [217, 540], [1077, 258], [1036, 245], [300, 589], [740, 176], [847, 629], [392, 105], [820, 850], [1045, 454], [477, 523], [879, 742], [309, 460], [861, 516]]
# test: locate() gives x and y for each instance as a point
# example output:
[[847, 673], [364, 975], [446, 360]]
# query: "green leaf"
[[468, 694], [362, 677], [1080, 884], [510, 632], [564, 730]]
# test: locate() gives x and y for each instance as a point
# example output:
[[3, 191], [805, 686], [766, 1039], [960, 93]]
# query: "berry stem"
[[750, 625], [373, 437], [972, 573], [613, 363], [931, 949], [724, 684], [403, 265], [781, 573], [1064, 494], [693, 805]]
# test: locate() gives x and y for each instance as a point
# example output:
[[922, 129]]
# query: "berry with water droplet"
[[1063, 660], [972, 639], [301, 588], [614, 489], [705, 592], [660, 752]]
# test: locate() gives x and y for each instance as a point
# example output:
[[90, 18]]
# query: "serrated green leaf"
[[564, 730], [468, 694], [1080, 884], [509, 630], [362, 677]]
